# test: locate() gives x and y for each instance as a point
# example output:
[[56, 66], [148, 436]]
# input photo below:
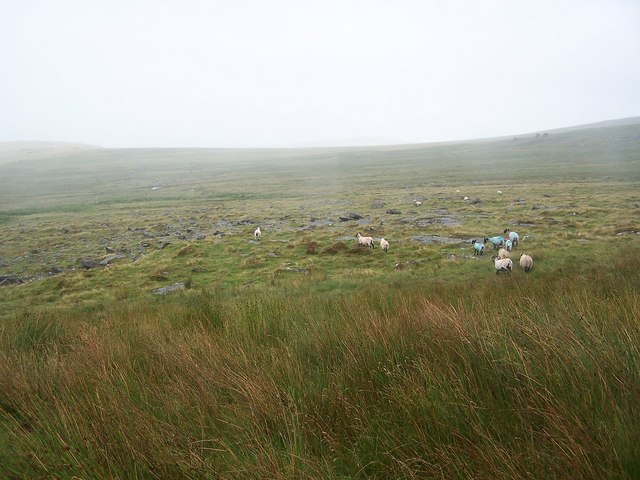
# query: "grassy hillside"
[[301, 355]]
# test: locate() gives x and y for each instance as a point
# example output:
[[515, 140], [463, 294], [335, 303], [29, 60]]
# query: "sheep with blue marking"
[[508, 245], [513, 236], [478, 247], [497, 242]]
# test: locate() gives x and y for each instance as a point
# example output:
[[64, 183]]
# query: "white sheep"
[[513, 236], [502, 264], [417, 203], [503, 253], [526, 262], [499, 192], [508, 244], [367, 241], [384, 245], [466, 199], [257, 233]]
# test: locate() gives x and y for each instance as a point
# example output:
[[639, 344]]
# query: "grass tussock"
[[518, 377]]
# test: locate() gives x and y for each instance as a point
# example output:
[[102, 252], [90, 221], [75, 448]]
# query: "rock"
[[431, 239], [378, 204], [168, 289], [163, 244], [10, 280], [109, 250], [394, 211], [351, 216], [56, 270], [88, 264], [110, 258]]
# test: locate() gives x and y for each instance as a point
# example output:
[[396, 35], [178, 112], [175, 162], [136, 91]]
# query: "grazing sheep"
[[513, 236], [503, 253], [384, 245], [495, 241], [526, 262], [257, 233], [466, 198], [499, 192], [478, 247], [502, 264], [368, 241], [417, 203], [508, 244]]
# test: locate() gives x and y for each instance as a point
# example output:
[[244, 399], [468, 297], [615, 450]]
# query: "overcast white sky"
[[247, 73]]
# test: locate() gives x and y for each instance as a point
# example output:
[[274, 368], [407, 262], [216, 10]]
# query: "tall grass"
[[522, 377]]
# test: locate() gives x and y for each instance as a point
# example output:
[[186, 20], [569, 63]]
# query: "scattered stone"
[[56, 270], [109, 250], [304, 271], [447, 221], [88, 264], [433, 239], [378, 204], [162, 245], [394, 211], [168, 289], [110, 258], [350, 217], [10, 280]]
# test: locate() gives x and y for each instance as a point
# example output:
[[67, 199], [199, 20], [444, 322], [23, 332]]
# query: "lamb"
[[495, 241], [513, 236], [257, 233], [526, 262], [384, 245], [502, 264], [478, 247], [368, 241], [503, 253], [508, 245]]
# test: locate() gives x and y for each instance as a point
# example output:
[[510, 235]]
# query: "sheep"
[[478, 247], [526, 262], [384, 245], [503, 253], [368, 241], [499, 192], [257, 233], [502, 264], [513, 236], [417, 203], [508, 244], [495, 241], [466, 199]]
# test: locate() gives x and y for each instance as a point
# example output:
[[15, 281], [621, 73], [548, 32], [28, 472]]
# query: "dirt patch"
[[337, 247]]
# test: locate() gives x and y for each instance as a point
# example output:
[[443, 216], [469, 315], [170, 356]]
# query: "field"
[[301, 355]]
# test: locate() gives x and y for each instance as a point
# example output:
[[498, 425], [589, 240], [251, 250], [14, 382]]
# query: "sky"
[[256, 73]]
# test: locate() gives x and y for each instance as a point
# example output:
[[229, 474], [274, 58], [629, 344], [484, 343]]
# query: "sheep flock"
[[502, 261]]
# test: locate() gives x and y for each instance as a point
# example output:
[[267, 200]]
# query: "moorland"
[[300, 354]]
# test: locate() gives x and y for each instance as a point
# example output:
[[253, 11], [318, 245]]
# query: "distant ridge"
[[620, 122], [22, 150]]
